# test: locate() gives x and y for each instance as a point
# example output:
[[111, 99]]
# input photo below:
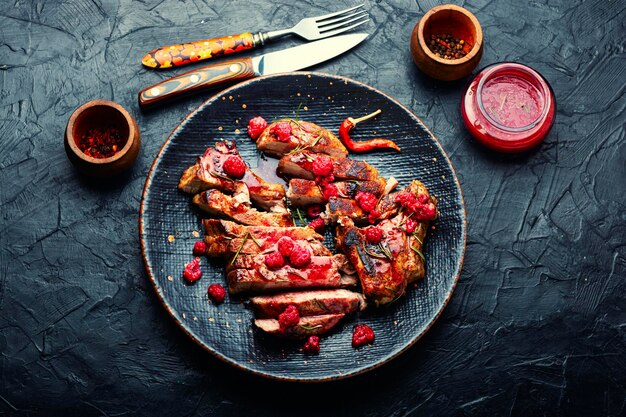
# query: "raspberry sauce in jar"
[[508, 107]]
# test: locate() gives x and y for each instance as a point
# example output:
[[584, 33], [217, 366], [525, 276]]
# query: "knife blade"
[[286, 60]]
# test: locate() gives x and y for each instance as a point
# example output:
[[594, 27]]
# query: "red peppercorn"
[[217, 293], [329, 191], [312, 345], [367, 201], [318, 225], [373, 234], [199, 248], [274, 260], [234, 167], [282, 131], [410, 225], [192, 271], [323, 166], [285, 246], [314, 211], [256, 126], [299, 257], [362, 335], [289, 318]]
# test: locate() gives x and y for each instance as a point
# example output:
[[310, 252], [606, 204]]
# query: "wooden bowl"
[[447, 19], [102, 114]]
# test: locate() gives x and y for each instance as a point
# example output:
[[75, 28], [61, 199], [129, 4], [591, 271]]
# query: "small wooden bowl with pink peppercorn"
[[431, 32], [102, 139]]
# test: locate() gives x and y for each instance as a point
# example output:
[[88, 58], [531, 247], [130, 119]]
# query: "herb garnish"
[[245, 238], [224, 177], [419, 253], [254, 240], [310, 328]]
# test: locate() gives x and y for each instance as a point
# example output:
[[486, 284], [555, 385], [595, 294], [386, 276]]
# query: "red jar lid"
[[508, 107]]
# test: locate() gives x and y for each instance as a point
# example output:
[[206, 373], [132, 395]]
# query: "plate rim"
[[220, 356]]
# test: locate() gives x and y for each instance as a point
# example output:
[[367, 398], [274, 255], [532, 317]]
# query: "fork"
[[311, 28]]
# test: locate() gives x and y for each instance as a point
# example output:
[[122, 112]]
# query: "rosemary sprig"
[[300, 217], [405, 219], [385, 251], [310, 328], [224, 177], [320, 305], [298, 111], [245, 238], [254, 239], [374, 254], [419, 253], [417, 237], [309, 157]]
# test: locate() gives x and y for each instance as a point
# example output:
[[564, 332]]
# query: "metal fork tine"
[[357, 15], [343, 29], [327, 16]]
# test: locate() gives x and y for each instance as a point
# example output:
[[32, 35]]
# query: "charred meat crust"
[[303, 135], [208, 173], [218, 204], [300, 165]]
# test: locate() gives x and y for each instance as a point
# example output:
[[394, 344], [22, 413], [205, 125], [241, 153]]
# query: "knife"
[[286, 60]]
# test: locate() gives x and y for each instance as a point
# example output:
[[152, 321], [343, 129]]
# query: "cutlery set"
[[325, 31]]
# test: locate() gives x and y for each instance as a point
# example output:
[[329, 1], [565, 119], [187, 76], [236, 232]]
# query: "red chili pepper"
[[367, 145]]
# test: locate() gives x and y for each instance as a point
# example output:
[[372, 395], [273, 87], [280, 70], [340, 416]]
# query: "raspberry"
[[323, 166], [289, 318], [234, 167], [374, 214], [367, 201], [410, 225], [217, 293], [422, 198], [199, 248], [285, 246], [373, 234], [323, 181], [362, 335], [192, 271], [299, 257], [256, 126], [314, 211], [312, 345], [282, 131], [427, 212], [274, 260], [329, 191], [405, 199], [318, 225]]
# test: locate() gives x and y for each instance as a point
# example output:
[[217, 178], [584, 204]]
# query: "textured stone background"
[[535, 327]]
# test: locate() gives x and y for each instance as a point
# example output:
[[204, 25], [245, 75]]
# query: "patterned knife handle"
[[195, 80], [182, 54]]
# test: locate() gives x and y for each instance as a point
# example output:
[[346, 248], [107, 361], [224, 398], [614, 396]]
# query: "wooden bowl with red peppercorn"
[[447, 42], [102, 139]]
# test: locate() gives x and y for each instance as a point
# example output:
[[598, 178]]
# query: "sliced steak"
[[218, 204], [308, 326], [303, 135], [224, 238], [300, 165], [306, 192], [208, 173], [308, 303]]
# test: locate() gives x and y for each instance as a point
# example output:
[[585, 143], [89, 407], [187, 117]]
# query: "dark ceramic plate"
[[226, 330]]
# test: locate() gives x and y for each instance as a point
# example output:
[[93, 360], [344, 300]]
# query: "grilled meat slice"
[[343, 207], [225, 238], [248, 273], [308, 303], [208, 174], [308, 326], [300, 165], [385, 269], [303, 134], [306, 192], [238, 208]]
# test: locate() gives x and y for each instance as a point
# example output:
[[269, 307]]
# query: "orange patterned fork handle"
[[182, 54]]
